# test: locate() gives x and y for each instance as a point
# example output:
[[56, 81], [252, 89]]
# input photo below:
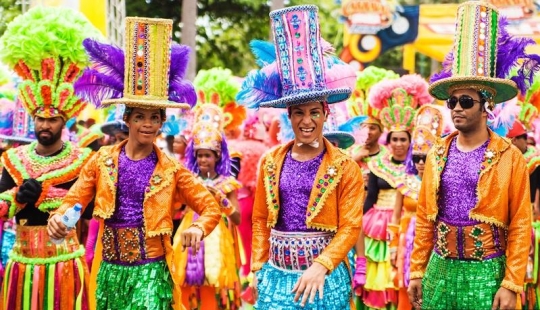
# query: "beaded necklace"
[[383, 167]]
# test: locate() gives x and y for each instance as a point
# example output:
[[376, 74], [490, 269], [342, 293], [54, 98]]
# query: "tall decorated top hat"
[[149, 75], [483, 56], [299, 69], [43, 46]]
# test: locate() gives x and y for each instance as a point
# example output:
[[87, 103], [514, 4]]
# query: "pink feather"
[[413, 84]]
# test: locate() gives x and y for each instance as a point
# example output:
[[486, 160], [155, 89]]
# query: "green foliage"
[[9, 9]]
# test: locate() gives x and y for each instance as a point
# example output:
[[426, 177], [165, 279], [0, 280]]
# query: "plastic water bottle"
[[70, 219]]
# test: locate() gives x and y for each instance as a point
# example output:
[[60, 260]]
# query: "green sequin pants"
[[147, 286], [461, 284]]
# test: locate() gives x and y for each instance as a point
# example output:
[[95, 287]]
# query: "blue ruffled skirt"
[[275, 290]]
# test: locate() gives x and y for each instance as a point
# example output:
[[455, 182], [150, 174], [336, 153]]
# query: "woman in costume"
[[397, 101], [299, 254], [210, 278], [133, 263], [427, 130]]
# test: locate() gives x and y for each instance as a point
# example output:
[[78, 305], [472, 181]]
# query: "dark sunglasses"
[[417, 158], [466, 102]]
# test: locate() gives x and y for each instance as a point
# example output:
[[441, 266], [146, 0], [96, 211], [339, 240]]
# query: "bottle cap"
[[77, 207]]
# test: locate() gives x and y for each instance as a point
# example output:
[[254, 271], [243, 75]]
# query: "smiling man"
[[307, 213], [474, 212]]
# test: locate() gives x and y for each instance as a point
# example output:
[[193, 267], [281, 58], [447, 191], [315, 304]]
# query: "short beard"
[[48, 141]]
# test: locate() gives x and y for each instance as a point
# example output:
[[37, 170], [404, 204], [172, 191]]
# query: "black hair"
[[523, 136], [389, 136], [129, 110]]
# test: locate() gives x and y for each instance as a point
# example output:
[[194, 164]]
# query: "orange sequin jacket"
[[335, 205], [171, 184], [503, 200]]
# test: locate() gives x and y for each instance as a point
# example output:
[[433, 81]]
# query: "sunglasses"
[[466, 102], [417, 158]]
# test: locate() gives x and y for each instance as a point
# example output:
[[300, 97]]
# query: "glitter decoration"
[[297, 251], [484, 278], [133, 183], [295, 186], [459, 181]]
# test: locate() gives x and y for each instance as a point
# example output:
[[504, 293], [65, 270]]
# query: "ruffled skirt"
[[275, 290], [379, 289]]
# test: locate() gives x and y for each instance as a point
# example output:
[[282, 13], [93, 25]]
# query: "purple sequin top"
[[295, 185], [133, 178], [458, 185]]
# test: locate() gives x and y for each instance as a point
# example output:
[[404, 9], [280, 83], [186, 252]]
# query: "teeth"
[[306, 130]]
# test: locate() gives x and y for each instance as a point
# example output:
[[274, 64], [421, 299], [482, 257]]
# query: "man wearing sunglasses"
[[473, 216]]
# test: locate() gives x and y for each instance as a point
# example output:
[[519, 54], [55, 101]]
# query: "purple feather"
[[510, 52], [106, 58], [182, 91], [95, 87], [195, 264], [191, 157], [223, 166], [179, 61]]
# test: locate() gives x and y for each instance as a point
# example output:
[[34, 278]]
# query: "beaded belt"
[[129, 246], [475, 242], [386, 199], [297, 251], [33, 246]]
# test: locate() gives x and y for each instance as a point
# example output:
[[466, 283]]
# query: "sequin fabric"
[[461, 284], [295, 185], [133, 178], [459, 181], [275, 290]]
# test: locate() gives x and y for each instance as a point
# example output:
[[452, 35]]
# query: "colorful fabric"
[[460, 284], [275, 290], [503, 200], [334, 204], [296, 183], [140, 287], [296, 250], [40, 274]]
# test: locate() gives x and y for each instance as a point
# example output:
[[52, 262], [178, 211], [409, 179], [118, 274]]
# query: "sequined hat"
[[300, 71], [114, 123], [338, 130], [475, 51]]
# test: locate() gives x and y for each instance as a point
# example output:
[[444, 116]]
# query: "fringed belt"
[[33, 246], [297, 251], [476, 242], [129, 246]]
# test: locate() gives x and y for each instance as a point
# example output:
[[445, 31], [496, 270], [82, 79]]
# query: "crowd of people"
[[304, 185]]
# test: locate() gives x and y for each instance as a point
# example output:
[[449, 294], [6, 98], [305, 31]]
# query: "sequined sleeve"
[[519, 228], [192, 192], [349, 211], [423, 240], [261, 232], [84, 189]]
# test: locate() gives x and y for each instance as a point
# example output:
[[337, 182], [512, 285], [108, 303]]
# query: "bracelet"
[[227, 207]]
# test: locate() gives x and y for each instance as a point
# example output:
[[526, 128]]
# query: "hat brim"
[[146, 103], [111, 128], [328, 95], [342, 139], [17, 139], [504, 89]]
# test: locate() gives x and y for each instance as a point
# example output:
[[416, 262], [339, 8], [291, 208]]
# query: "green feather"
[[217, 80]]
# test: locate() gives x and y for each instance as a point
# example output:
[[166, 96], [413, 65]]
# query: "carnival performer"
[[427, 130], [473, 227], [133, 262], [368, 148], [37, 176], [209, 278], [397, 101], [299, 254]]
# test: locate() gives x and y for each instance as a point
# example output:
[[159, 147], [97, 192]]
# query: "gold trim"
[[146, 104], [445, 85], [146, 20]]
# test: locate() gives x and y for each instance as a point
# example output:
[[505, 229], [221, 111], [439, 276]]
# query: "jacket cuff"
[[416, 275], [256, 267], [201, 227], [326, 262], [511, 286]]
